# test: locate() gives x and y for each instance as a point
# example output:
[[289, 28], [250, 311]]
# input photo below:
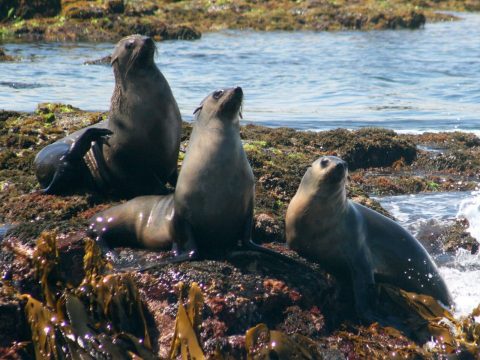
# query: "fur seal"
[[132, 153], [355, 243], [211, 212], [144, 221]]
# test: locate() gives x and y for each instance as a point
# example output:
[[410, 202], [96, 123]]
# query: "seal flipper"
[[184, 246], [248, 244], [364, 288], [67, 168]]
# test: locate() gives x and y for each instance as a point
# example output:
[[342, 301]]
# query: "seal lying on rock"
[[354, 242], [211, 212], [143, 129]]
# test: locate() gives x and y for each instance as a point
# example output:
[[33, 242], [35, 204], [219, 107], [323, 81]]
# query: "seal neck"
[[330, 198], [218, 125]]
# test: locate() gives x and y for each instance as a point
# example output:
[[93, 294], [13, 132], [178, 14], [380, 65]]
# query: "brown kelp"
[[100, 318]]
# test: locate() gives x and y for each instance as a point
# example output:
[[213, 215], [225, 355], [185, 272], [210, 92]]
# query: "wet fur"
[[355, 243]]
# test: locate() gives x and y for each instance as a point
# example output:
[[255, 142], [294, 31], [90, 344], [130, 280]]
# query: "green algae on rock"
[[25, 9], [279, 158], [102, 20], [107, 20]]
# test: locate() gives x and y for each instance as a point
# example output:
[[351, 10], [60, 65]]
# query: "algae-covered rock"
[[299, 304], [4, 56], [27, 9], [368, 147], [248, 306], [110, 19], [439, 237]]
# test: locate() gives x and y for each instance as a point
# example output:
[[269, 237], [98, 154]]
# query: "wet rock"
[[84, 10], [243, 291], [104, 19], [450, 236], [12, 322], [266, 229], [140, 7], [5, 114], [4, 56], [368, 147], [115, 6], [27, 9]]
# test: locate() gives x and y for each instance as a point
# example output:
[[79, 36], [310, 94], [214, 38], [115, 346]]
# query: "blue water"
[[422, 80]]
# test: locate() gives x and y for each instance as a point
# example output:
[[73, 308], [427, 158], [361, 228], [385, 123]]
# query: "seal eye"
[[324, 162], [218, 94], [129, 44]]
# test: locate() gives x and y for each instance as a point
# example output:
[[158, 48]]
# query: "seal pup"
[[135, 151], [355, 243], [211, 212]]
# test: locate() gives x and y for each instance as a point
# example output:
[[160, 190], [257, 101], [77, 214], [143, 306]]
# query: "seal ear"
[[115, 55], [113, 58]]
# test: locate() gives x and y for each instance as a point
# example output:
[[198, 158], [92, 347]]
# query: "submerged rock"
[[4, 56]]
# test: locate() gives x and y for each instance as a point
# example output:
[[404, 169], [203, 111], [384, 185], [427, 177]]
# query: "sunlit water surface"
[[427, 79], [462, 270]]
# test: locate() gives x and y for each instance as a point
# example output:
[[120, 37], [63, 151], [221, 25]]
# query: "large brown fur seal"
[[143, 129], [211, 212], [356, 243]]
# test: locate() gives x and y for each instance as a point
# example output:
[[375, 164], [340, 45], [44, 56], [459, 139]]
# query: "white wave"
[[470, 210], [461, 276]]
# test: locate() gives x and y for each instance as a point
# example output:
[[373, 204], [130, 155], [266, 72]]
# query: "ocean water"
[[461, 271], [410, 81]]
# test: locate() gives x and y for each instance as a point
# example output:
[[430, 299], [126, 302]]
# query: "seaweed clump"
[[101, 317]]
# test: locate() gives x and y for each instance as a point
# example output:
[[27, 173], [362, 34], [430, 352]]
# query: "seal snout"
[[334, 168], [238, 91], [236, 95], [340, 170]]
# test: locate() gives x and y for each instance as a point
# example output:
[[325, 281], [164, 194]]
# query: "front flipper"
[[363, 282], [68, 169], [184, 246], [247, 243], [80, 147]]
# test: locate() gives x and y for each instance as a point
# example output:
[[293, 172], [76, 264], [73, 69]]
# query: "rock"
[[84, 10], [266, 229], [12, 321], [115, 6], [447, 237], [4, 56], [27, 9], [368, 147]]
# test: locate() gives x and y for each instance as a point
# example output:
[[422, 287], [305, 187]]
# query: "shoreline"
[[109, 20]]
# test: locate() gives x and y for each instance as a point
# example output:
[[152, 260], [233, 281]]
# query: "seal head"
[[133, 55]]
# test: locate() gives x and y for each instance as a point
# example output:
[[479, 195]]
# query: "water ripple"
[[422, 80]]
